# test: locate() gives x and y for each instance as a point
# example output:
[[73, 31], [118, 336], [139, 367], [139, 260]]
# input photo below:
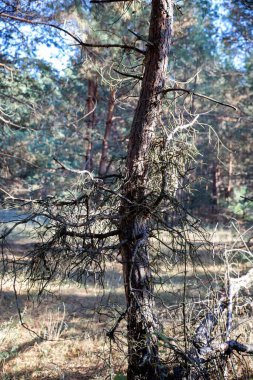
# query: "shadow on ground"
[[76, 374]]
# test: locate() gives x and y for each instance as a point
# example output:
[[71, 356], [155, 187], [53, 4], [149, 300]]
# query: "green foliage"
[[5, 355], [51, 107], [120, 376], [240, 206]]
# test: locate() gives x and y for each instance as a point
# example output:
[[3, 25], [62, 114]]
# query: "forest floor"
[[70, 327], [63, 336]]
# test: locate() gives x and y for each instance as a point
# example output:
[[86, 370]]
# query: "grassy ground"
[[72, 324], [64, 334]]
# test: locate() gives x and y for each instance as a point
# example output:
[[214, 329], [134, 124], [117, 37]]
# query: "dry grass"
[[73, 320]]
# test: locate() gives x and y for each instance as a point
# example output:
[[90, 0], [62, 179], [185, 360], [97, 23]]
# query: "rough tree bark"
[[143, 360], [103, 166]]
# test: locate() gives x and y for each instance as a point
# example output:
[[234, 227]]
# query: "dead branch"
[[13, 125], [190, 92], [19, 159], [203, 341], [141, 38], [15, 99], [203, 333], [7, 67], [111, 332], [92, 235], [234, 345], [74, 170], [139, 77], [77, 39], [181, 128]]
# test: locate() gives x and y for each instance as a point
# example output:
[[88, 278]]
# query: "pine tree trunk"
[[143, 360], [215, 179], [230, 171], [91, 106], [104, 155]]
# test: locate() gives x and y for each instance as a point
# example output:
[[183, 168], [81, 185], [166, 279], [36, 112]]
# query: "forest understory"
[[126, 190]]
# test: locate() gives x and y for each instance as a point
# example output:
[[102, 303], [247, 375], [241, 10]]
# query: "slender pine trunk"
[[143, 360], [104, 154], [215, 186], [230, 171], [91, 107]]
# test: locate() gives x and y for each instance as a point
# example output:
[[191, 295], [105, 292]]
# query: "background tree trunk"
[[104, 155], [142, 322], [230, 171], [215, 189], [91, 106]]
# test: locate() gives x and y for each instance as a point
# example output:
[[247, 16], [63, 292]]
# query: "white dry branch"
[[205, 347], [202, 337], [180, 128]]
